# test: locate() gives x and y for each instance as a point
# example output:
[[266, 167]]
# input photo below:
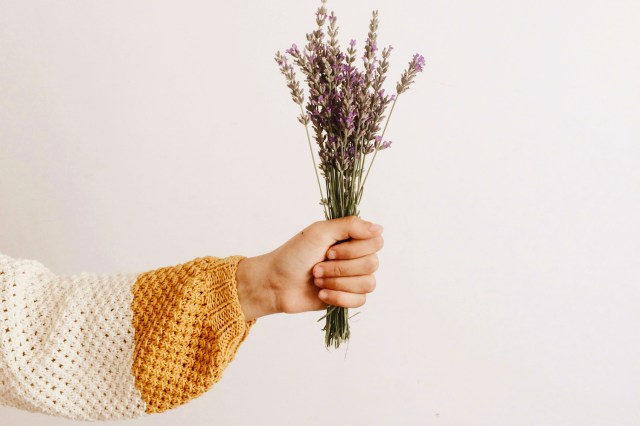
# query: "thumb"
[[331, 231]]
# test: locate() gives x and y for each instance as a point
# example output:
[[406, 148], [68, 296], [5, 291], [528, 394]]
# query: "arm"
[[116, 346]]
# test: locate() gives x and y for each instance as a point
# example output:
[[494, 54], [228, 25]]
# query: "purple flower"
[[342, 96], [349, 121], [282, 61], [383, 145], [293, 50], [372, 45], [418, 62]]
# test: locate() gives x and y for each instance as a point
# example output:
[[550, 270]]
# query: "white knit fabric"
[[66, 342]]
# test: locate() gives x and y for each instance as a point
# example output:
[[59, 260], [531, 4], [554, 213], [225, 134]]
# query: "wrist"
[[257, 297]]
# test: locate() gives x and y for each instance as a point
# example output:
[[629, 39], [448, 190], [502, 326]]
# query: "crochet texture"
[[116, 346]]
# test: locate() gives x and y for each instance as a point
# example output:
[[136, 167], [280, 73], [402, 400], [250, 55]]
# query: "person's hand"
[[304, 275]]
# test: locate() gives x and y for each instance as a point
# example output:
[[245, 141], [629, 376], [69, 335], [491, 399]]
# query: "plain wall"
[[135, 135]]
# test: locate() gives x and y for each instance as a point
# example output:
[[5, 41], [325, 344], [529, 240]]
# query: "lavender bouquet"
[[345, 107]]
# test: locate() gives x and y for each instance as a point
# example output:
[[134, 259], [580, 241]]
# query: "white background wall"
[[135, 135]]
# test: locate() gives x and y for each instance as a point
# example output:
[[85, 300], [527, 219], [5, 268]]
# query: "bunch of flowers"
[[346, 107]]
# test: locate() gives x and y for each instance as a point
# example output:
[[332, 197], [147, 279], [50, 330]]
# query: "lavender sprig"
[[345, 108], [416, 65], [298, 97]]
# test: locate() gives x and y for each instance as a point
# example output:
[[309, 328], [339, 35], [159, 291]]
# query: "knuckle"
[[338, 270], [374, 263], [313, 229], [331, 283], [371, 284], [352, 220], [341, 251], [338, 300], [361, 301]]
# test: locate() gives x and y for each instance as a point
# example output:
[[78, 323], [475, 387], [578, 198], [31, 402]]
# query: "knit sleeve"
[[116, 346]]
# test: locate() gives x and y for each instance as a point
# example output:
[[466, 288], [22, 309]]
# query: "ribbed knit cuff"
[[228, 289]]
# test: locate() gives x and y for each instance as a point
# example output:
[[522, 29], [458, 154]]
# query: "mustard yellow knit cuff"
[[188, 327]]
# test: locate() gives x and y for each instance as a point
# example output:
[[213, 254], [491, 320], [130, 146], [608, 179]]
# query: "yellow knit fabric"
[[188, 326]]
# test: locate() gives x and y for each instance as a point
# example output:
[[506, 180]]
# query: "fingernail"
[[322, 294], [318, 271], [319, 282], [375, 228], [331, 254]]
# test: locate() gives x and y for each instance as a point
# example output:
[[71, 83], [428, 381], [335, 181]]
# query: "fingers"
[[360, 284], [343, 268], [346, 282], [328, 232], [346, 278], [355, 248], [341, 298]]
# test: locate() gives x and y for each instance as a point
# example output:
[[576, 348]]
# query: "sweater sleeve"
[[116, 346]]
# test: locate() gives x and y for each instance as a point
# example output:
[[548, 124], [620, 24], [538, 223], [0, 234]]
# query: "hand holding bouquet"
[[346, 107]]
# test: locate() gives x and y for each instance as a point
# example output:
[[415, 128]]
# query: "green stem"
[[376, 151], [315, 168]]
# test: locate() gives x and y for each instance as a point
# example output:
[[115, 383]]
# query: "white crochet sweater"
[[115, 346]]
